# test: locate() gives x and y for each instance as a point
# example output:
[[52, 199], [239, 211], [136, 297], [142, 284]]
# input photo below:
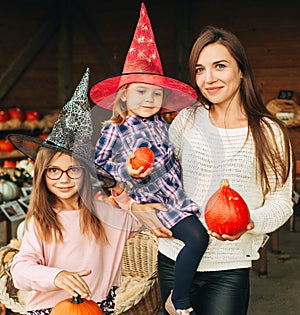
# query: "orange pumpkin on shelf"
[[226, 212], [3, 116], [6, 145], [32, 115], [16, 113], [44, 136], [8, 164], [76, 306], [142, 157]]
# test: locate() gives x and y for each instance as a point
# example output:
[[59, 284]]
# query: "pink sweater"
[[38, 263]]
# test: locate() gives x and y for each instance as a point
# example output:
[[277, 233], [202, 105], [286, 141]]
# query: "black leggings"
[[212, 293], [195, 237]]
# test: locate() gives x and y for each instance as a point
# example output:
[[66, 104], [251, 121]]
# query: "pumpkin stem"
[[77, 299], [224, 182]]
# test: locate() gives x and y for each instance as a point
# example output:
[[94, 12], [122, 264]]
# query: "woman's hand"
[[73, 283], [145, 213], [234, 237]]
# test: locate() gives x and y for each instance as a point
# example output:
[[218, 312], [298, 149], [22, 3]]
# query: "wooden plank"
[[183, 39], [65, 54], [89, 32], [28, 53]]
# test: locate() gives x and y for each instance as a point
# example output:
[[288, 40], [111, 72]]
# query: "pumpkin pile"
[[14, 175], [20, 173], [226, 212], [16, 118]]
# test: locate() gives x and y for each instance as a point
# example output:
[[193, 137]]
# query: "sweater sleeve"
[[28, 267], [278, 205], [276, 210]]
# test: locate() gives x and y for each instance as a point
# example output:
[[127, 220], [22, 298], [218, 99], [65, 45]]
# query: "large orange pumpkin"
[[226, 212], [76, 306]]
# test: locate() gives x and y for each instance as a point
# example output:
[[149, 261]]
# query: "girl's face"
[[142, 99], [63, 187], [217, 74]]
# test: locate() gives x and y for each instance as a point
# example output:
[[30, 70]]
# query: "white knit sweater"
[[208, 155]]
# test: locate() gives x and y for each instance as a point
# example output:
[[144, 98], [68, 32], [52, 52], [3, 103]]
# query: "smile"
[[214, 89]]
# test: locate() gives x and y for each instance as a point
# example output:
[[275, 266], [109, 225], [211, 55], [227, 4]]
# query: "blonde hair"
[[120, 110], [42, 201]]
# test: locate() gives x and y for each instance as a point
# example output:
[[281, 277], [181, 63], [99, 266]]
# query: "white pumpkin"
[[9, 190], [27, 166]]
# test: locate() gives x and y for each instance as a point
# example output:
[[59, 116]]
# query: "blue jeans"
[[212, 293]]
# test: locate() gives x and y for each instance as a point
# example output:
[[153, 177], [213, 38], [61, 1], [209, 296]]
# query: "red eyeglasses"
[[74, 172]]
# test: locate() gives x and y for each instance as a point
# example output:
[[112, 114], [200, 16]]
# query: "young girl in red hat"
[[137, 98]]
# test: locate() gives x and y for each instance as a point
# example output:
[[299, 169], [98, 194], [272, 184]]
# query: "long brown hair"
[[259, 118], [42, 201]]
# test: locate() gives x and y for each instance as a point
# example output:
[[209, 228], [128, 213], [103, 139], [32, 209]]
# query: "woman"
[[230, 134]]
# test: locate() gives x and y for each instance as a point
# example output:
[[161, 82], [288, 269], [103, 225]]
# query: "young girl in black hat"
[[72, 245]]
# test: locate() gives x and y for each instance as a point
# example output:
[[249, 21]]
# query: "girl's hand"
[[146, 215], [235, 237], [73, 283], [117, 189], [136, 173]]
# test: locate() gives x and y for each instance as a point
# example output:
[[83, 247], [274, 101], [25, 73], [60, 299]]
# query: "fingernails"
[[163, 209]]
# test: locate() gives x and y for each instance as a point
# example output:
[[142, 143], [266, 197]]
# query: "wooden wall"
[[46, 45]]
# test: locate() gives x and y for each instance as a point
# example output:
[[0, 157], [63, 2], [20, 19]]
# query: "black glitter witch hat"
[[71, 134]]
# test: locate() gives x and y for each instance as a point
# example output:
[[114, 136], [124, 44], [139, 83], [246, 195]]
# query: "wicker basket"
[[139, 292], [10, 297], [286, 110]]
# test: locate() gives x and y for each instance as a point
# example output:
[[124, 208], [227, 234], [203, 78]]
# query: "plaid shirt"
[[163, 185]]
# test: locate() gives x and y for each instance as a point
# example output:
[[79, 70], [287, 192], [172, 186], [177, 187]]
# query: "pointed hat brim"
[[181, 94], [30, 146], [143, 65], [70, 134]]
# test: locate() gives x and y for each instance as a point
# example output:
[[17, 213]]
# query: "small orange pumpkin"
[[76, 306], [142, 157]]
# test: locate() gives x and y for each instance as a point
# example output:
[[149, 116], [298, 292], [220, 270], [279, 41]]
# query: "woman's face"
[[217, 74], [64, 188], [142, 99]]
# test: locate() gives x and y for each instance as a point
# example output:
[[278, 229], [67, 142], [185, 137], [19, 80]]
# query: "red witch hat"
[[143, 65]]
